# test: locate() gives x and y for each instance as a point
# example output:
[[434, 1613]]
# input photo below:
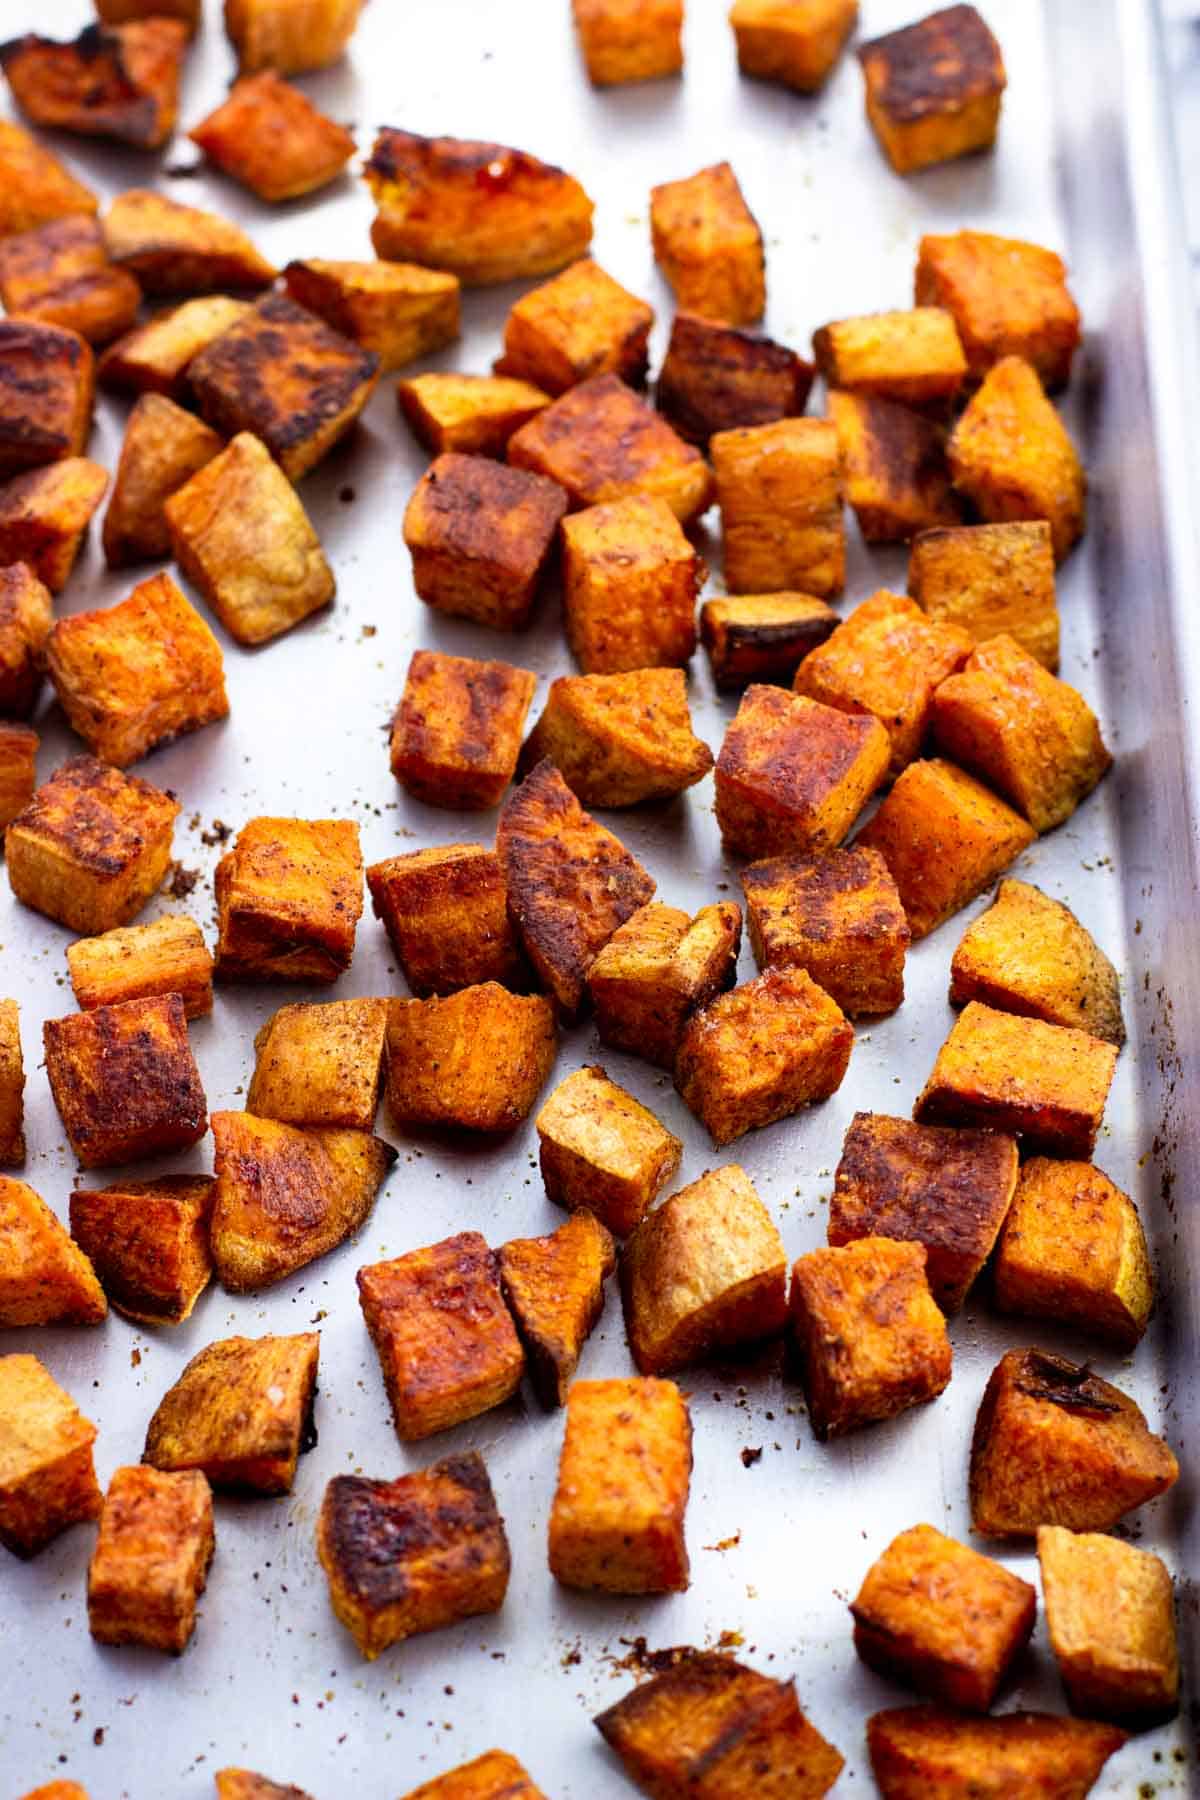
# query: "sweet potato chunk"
[[445, 1340], [709, 247], [796, 45], [914, 357], [243, 1784], [125, 1081], [656, 969], [154, 358], [47, 386], [291, 36], [26, 614], [623, 1478], [1033, 1754], [60, 274], [456, 735], [270, 137], [12, 1088], [446, 913], [92, 846], [554, 1287], [399, 311], [45, 1279], [121, 12], [1011, 455], [475, 1060], [476, 414], [1008, 298], [947, 1190], [933, 89], [241, 1412], [413, 1554], [35, 188], [617, 740], [112, 81], [630, 584], [162, 449], [44, 514], [793, 774], [1110, 1616], [481, 537], [715, 378], [838, 916], [148, 1242], [578, 324], [894, 464], [493, 1776], [762, 637], [58, 1790], [988, 580], [18, 770], [320, 1065], [779, 488], [1029, 954], [150, 1563], [629, 40], [602, 1151], [483, 211], [175, 249], [47, 1481], [140, 962], [762, 1052], [289, 894], [1055, 1445]]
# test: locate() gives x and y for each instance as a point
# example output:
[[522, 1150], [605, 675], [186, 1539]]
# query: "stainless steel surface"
[[271, 1680]]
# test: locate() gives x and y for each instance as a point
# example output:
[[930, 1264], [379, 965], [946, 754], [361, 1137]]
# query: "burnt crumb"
[[571, 1657], [727, 1543], [218, 833], [751, 1456], [180, 881], [347, 495], [98, 1736], [135, 1357], [639, 1659], [369, 631]]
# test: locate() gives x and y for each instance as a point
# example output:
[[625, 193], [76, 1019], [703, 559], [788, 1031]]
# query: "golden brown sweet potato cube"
[[473, 1060], [945, 837], [154, 358], [933, 89], [1029, 954], [456, 735], [762, 637], [602, 1151], [476, 414], [175, 249], [838, 916], [12, 1088], [241, 1412], [1110, 1617], [709, 247], [240, 535], [292, 36], [121, 12], [1055, 1445], [554, 1287], [150, 1564], [659, 967], [927, 1184], [936, 1614], [320, 1065], [60, 274], [988, 580], [47, 386], [570, 882], [481, 537], [397, 310], [148, 1241], [446, 1342], [797, 44], [578, 324], [47, 1481], [1008, 298], [289, 895], [164, 446], [779, 488], [793, 774], [630, 581], [715, 378], [762, 1052], [125, 1081], [1011, 455], [285, 1196], [414, 1554], [26, 614], [18, 770], [243, 1784], [917, 1750], [270, 137], [112, 81], [493, 1776], [617, 740], [45, 1279], [446, 913], [894, 466], [138, 962], [629, 40], [914, 357], [44, 514], [34, 186], [623, 1478]]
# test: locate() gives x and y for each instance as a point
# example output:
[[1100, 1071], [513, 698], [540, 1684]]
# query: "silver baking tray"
[[778, 1547]]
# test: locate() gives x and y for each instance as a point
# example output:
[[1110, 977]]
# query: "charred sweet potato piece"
[[456, 735], [838, 916], [1029, 954], [112, 81], [602, 1151], [554, 1287], [243, 1784], [399, 311], [762, 1052], [175, 249], [60, 274], [45, 1279], [446, 1342], [122, 12], [476, 414], [47, 1481], [623, 1478], [139, 962], [988, 580], [1110, 1617], [578, 324], [1011, 455], [914, 357], [796, 45], [150, 1564], [1033, 1754], [762, 637], [493, 1776], [629, 40], [933, 89], [1055, 1445], [481, 537], [658, 968], [148, 1243], [292, 36], [894, 465], [709, 247], [47, 386], [716, 378], [12, 1088], [947, 1190], [18, 770], [780, 489], [92, 846], [241, 1412], [485, 212], [35, 187], [320, 1065], [413, 1554], [44, 514], [474, 1060], [617, 740], [446, 913], [1008, 298], [630, 581], [26, 614], [270, 137], [154, 358], [125, 1081], [164, 446], [289, 895]]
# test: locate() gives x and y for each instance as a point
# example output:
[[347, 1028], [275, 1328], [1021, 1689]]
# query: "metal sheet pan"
[[270, 1679]]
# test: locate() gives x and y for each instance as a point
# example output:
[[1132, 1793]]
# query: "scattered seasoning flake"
[[135, 1357], [98, 1736], [729, 1543], [218, 833], [750, 1457], [180, 881]]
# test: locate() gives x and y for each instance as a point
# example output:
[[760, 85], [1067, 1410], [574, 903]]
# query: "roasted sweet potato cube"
[[623, 1478], [35, 187], [175, 249], [92, 846], [138, 962], [935, 1614], [838, 916], [47, 386], [1034, 1754], [554, 1287], [570, 882], [988, 580], [578, 324], [414, 1554], [446, 913], [289, 894], [629, 40], [270, 137], [125, 1081], [493, 1776], [1029, 954], [1056, 1445], [716, 378], [45, 1279], [945, 837], [798, 45], [148, 1242], [762, 637], [656, 969], [320, 1065], [150, 1564], [475, 414], [709, 247], [914, 358], [481, 536], [602, 1151], [164, 446], [121, 12], [399, 311], [44, 514], [927, 1184], [26, 614], [1110, 1617], [894, 465], [242, 537], [292, 36], [112, 81], [456, 735], [794, 774], [243, 1784], [12, 1088], [47, 1481], [58, 1790], [1008, 298], [241, 1412], [617, 740], [630, 581], [1047, 1083], [154, 358], [1011, 455], [446, 1342], [60, 274], [473, 1060], [18, 770], [780, 489], [762, 1052], [933, 89]]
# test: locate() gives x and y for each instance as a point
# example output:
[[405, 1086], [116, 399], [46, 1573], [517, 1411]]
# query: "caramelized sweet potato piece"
[[578, 324], [715, 378], [709, 247], [47, 1481], [474, 1060], [630, 581], [456, 735], [914, 357], [602, 1151], [270, 137], [154, 358], [35, 188], [796, 45], [1029, 954], [162, 449], [60, 274], [125, 1081], [446, 913], [895, 470], [150, 1564], [122, 12], [175, 249], [476, 414], [780, 489], [618, 740], [140, 962], [18, 770], [656, 969], [481, 536], [241, 1412], [1036, 1755], [44, 514], [243, 1784], [112, 81], [26, 614], [1110, 1617], [320, 1065], [1012, 456], [399, 311], [291, 36], [933, 89], [12, 1088], [554, 1287], [762, 637], [629, 40], [1008, 298], [148, 1242], [47, 386], [493, 1776], [838, 916], [289, 895], [989, 579], [45, 1279]]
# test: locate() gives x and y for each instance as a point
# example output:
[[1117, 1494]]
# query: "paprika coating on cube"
[[493, 1776], [148, 1242], [716, 377], [45, 1279], [289, 895], [1013, 458], [320, 1064], [836, 915], [554, 1288], [112, 81], [141, 962], [915, 1748], [1007, 297], [47, 390], [475, 414], [797, 45], [619, 740], [629, 40], [445, 910], [44, 514], [780, 489], [762, 637], [933, 89], [481, 536], [270, 138], [150, 1563], [60, 274], [894, 466], [12, 1088], [474, 1060], [1110, 1618], [988, 580], [1029, 954], [241, 1412], [26, 615], [914, 358], [602, 1151], [154, 358], [577, 324], [709, 247], [656, 970], [18, 770], [47, 1479], [125, 1081], [163, 447], [35, 188], [457, 732], [172, 249], [630, 585], [398, 310]]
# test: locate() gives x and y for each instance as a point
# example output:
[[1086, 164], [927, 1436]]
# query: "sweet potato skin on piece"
[[289, 895], [125, 1081], [780, 490], [241, 1412], [150, 1563], [473, 1060], [988, 580], [602, 1151], [271, 138], [112, 81], [933, 89], [47, 1481], [148, 1242], [1110, 1617], [1029, 954], [657, 969], [554, 1288], [581, 323], [456, 735], [446, 912], [481, 537], [164, 446], [838, 916], [716, 378], [709, 247], [1038, 1755], [629, 40], [1008, 298]]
